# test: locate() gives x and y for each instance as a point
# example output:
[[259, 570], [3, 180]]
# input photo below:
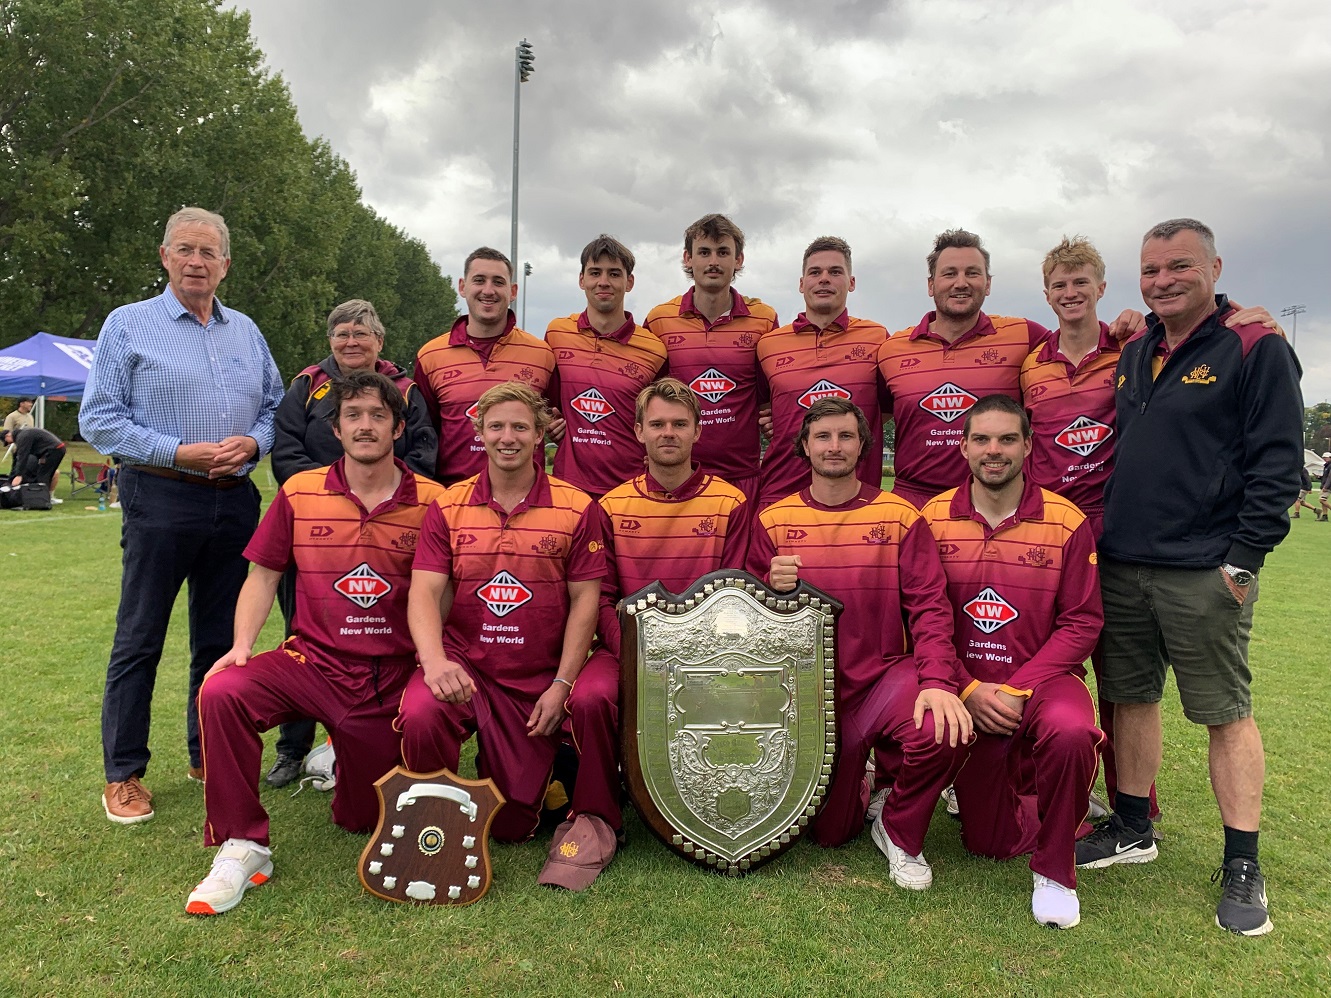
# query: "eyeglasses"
[[356, 336]]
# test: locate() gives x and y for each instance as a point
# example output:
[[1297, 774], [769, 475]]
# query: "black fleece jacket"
[[1209, 451]]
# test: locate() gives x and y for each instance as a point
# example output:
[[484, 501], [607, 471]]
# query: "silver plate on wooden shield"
[[730, 731]]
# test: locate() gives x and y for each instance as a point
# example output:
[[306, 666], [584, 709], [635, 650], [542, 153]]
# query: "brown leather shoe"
[[127, 803], [194, 773]]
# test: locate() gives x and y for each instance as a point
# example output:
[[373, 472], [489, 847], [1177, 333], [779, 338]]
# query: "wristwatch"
[[1241, 576]]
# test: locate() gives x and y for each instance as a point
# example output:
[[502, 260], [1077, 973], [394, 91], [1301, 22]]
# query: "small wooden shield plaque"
[[432, 843]]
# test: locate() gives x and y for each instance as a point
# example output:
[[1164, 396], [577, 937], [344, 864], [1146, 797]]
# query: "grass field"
[[92, 908]]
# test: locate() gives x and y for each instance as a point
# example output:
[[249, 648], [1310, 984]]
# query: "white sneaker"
[[114, 505], [1096, 808], [949, 798], [876, 801], [56, 502], [320, 767], [239, 865], [1054, 905], [910, 872]]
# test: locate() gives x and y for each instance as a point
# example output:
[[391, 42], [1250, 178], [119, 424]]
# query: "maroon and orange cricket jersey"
[[453, 374], [353, 565], [1026, 595], [876, 555], [720, 363], [800, 364], [932, 385], [1072, 419], [674, 537], [510, 575], [597, 380]]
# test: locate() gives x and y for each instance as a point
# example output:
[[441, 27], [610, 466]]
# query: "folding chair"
[[87, 476]]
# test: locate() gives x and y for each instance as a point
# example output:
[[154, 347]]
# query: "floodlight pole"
[[1294, 311], [524, 60]]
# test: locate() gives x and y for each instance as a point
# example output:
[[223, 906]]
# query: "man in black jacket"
[[37, 456], [1210, 423]]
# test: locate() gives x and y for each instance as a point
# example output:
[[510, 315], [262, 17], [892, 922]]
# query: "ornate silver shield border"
[[732, 668]]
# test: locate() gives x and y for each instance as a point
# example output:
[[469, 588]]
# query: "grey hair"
[[1171, 228], [198, 216], [359, 312]]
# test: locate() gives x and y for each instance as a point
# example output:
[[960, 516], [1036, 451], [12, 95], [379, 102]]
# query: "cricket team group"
[[1102, 491]]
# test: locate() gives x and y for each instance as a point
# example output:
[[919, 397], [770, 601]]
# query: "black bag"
[[10, 499], [34, 495]]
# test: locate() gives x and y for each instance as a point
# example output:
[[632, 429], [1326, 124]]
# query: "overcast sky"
[[880, 122]]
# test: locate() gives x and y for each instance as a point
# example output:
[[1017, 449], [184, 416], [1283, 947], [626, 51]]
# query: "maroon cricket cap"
[[581, 849]]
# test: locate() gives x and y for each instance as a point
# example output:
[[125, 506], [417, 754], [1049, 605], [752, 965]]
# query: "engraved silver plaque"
[[729, 727]]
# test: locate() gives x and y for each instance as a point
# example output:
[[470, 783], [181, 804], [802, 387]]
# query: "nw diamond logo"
[[712, 385], [947, 402], [503, 594], [823, 390], [592, 406], [474, 410], [1083, 435], [363, 586], [990, 611]]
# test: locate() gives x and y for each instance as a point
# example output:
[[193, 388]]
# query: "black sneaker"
[[1242, 907], [285, 770], [1114, 842]]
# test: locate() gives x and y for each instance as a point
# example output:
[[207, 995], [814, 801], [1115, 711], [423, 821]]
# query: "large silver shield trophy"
[[729, 727]]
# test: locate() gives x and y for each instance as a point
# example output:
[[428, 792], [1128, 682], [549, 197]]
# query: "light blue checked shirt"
[[160, 379]]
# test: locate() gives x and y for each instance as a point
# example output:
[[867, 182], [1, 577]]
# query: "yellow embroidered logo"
[[1094, 559], [1200, 375], [1122, 379], [594, 546], [568, 849], [322, 390]]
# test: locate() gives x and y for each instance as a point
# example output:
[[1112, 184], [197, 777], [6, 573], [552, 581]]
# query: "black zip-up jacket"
[[1208, 455], [304, 439]]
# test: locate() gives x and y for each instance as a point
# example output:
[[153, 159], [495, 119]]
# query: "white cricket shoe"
[[239, 865], [949, 798], [1054, 905], [321, 767], [877, 800], [1096, 808], [911, 872]]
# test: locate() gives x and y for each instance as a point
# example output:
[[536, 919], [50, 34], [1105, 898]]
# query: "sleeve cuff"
[[1013, 691], [970, 688]]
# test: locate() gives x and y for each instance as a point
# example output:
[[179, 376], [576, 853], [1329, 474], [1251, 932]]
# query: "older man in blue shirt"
[[183, 390]]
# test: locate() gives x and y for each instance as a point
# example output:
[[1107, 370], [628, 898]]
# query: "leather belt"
[[179, 476]]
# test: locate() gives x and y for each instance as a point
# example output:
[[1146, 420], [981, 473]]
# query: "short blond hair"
[[512, 391], [667, 390], [1073, 253]]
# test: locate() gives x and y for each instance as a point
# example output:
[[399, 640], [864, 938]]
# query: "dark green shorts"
[[1186, 618]]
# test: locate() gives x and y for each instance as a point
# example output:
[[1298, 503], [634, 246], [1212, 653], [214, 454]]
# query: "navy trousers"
[[173, 532]]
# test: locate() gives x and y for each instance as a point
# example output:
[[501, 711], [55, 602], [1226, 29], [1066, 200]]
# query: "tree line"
[[114, 113]]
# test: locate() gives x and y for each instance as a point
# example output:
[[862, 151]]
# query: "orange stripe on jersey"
[[510, 574], [353, 566], [802, 367], [1025, 594], [1072, 419], [933, 384], [453, 377], [675, 541], [719, 362], [599, 380]]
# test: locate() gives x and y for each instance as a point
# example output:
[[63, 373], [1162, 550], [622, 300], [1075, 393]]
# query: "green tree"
[[1317, 427]]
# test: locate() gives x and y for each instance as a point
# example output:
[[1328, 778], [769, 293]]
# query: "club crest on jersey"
[[990, 611], [991, 356], [712, 385], [503, 594], [1083, 435], [1200, 375], [877, 534], [1036, 557], [548, 546], [706, 527], [592, 406], [857, 352], [824, 389], [363, 586], [745, 339], [405, 541], [947, 402]]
